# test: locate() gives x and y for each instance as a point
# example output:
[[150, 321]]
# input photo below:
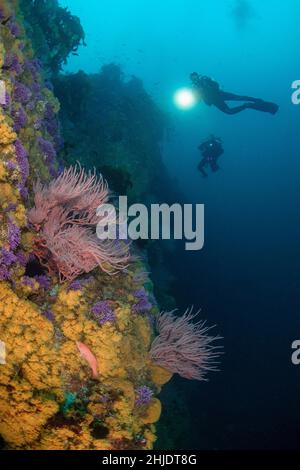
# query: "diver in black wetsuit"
[[209, 90], [211, 149]]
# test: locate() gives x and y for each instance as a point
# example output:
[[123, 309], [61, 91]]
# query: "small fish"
[[74, 53], [87, 354]]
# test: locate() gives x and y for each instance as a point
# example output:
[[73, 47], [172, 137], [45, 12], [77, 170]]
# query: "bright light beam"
[[185, 98]]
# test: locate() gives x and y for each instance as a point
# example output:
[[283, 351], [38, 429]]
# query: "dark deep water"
[[246, 279]]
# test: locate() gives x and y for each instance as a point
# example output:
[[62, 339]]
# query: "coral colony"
[[144, 395], [102, 312], [74, 320]]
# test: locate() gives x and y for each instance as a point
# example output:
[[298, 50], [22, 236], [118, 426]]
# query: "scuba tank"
[[209, 88], [207, 82]]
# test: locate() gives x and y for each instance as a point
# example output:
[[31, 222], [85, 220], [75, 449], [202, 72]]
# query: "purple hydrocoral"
[[7, 103], [53, 171], [21, 258], [34, 67], [144, 395], [10, 207], [52, 126], [49, 315], [14, 235], [50, 120], [22, 159], [36, 88], [22, 93], [28, 281], [142, 305], [11, 166], [20, 119], [14, 29], [44, 281], [38, 124], [4, 273], [7, 258], [12, 62], [30, 106], [102, 312], [75, 285], [47, 149]]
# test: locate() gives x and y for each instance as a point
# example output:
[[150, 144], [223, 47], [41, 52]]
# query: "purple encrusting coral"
[[52, 126], [102, 312], [47, 149], [28, 281], [75, 285], [7, 258], [78, 284], [50, 120], [14, 236], [10, 165], [22, 93], [20, 119], [36, 88], [7, 100], [53, 172], [14, 28], [21, 258], [34, 67], [22, 159], [142, 305], [4, 273], [49, 315], [12, 62], [38, 124], [10, 207], [144, 395], [30, 106], [43, 281]]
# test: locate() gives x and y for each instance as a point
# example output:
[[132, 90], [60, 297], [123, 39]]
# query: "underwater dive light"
[[185, 98]]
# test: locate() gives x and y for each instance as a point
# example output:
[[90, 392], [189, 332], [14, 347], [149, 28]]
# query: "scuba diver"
[[211, 149], [209, 90]]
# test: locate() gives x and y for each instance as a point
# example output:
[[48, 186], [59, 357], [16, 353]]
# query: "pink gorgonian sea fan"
[[184, 347], [65, 217]]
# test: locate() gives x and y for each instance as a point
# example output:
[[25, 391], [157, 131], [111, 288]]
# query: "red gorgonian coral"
[[65, 216], [184, 347]]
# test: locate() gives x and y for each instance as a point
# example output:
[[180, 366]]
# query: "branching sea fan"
[[184, 347], [65, 215]]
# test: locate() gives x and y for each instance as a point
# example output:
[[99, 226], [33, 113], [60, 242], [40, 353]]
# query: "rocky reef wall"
[[50, 396]]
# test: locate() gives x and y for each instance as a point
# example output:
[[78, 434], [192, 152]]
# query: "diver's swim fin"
[[264, 106]]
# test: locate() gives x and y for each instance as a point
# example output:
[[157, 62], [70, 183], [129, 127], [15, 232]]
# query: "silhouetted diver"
[[209, 90], [211, 149]]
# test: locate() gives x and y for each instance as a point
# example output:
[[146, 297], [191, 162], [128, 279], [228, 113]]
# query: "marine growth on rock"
[[77, 369]]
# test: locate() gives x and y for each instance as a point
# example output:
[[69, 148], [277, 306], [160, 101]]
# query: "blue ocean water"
[[246, 279]]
